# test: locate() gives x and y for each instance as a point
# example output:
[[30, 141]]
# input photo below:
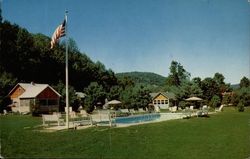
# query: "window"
[[52, 102], [166, 101], [42, 102], [162, 101], [24, 102], [159, 102]]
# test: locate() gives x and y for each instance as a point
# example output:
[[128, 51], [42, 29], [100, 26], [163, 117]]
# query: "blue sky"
[[205, 36]]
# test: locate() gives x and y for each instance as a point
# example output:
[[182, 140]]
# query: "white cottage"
[[161, 100]]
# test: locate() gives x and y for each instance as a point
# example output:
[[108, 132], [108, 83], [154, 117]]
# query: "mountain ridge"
[[143, 77]]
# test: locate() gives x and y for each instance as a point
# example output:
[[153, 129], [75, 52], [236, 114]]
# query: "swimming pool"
[[137, 118]]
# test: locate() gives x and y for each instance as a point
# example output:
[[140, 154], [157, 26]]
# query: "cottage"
[[162, 100], [32, 97]]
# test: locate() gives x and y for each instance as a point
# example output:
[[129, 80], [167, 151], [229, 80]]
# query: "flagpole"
[[66, 71]]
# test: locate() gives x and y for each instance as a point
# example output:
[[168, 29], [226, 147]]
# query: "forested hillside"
[[144, 78], [26, 57]]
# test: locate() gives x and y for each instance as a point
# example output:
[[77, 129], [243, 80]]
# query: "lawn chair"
[[5, 112], [141, 110], [173, 109], [203, 111], [191, 109], [187, 113], [70, 109], [125, 111], [72, 115], [132, 111], [220, 108], [83, 113]]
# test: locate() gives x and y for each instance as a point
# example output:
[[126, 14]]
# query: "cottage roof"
[[166, 94], [32, 89]]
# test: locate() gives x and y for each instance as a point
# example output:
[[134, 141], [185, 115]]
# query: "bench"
[[52, 118]]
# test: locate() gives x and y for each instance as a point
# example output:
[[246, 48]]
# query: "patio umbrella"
[[114, 103], [193, 99]]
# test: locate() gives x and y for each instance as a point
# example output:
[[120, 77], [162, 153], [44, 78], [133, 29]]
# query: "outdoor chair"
[[219, 109], [132, 111], [83, 113], [204, 107], [5, 112], [191, 107], [173, 109], [124, 111], [187, 112], [140, 110], [72, 115], [202, 112], [70, 109]]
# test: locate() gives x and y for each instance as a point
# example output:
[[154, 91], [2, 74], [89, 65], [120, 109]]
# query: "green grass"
[[222, 135]]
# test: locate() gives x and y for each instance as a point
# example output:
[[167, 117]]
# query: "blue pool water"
[[137, 118]]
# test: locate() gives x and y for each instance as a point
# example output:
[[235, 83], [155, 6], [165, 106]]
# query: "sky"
[[205, 36]]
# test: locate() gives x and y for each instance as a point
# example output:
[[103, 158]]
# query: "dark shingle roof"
[[169, 95]]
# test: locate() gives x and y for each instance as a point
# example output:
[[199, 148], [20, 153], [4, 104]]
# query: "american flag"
[[59, 32]]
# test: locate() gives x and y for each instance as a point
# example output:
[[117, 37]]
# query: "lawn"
[[222, 135]]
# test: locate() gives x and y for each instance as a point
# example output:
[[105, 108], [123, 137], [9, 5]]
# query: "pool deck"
[[164, 117]]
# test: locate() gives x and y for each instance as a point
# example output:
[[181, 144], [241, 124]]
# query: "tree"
[[244, 82], [240, 106], [197, 81], [209, 88], [60, 88], [215, 101], [7, 82], [142, 97], [114, 93], [95, 94], [135, 97], [186, 90], [182, 104], [243, 95], [219, 78], [125, 82], [226, 99], [127, 97], [177, 74], [72, 46]]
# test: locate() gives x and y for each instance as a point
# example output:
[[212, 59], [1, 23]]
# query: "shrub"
[[182, 104], [215, 101], [240, 106]]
